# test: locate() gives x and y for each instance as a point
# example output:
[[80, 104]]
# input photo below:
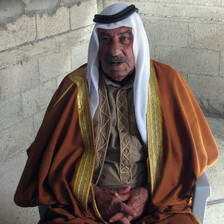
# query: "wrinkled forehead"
[[116, 31]]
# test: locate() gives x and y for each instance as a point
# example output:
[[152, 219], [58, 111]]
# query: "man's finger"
[[117, 217], [123, 190], [120, 218], [122, 197], [127, 210], [124, 221]]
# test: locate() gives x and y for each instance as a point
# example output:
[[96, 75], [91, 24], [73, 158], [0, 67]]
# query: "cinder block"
[[162, 53], [59, 79], [214, 107], [10, 112], [192, 2], [37, 99], [10, 173], [217, 127], [167, 33], [41, 5], [100, 5], [104, 3], [83, 14], [16, 139], [10, 11], [19, 32], [48, 25], [196, 61], [69, 3], [38, 118], [190, 12], [48, 46], [207, 87], [152, 47], [222, 64], [178, 9], [79, 55], [208, 36], [214, 214], [217, 107], [18, 78], [54, 65]]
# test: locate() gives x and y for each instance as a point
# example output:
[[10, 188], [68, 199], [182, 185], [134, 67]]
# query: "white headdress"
[[142, 64]]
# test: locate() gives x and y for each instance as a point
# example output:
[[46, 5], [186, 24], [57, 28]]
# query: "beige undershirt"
[[125, 160]]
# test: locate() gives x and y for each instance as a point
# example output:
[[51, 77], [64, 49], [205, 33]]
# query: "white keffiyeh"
[[142, 64]]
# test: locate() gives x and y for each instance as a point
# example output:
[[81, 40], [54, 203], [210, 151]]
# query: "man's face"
[[116, 52]]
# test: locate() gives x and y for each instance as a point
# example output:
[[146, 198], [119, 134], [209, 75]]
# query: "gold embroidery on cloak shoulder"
[[154, 130], [63, 95], [84, 174]]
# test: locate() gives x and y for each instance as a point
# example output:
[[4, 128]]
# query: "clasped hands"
[[121, 205]]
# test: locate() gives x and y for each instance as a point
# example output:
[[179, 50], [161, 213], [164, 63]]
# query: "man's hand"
[[137, 201], [109, 204]]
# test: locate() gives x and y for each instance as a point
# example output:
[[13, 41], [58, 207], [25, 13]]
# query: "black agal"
[[116, 17]]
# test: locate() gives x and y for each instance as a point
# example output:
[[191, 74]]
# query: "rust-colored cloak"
[[54, 156]]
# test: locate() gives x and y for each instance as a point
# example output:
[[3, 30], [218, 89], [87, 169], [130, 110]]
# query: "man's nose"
[[115, 48]]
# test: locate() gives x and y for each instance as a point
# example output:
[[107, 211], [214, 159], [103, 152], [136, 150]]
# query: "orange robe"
[[56, 154]]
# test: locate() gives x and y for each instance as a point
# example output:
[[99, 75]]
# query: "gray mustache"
[[115, 59]]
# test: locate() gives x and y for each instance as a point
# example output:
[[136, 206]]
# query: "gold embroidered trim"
[[96, 208], [103, 132], [63, 95], [125, 141], [84, 175], [196, 218], [154, 131]]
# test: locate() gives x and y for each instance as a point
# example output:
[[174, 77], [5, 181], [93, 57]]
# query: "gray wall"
[[189, 35], [40, 42], [43, 40]]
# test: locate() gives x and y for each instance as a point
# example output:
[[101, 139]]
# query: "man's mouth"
[[116, 63]]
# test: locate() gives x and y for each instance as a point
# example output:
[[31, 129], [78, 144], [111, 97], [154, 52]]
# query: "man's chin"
[[118, 77]]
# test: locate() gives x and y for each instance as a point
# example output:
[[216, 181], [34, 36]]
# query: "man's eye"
[[125, 39], [105, 39]]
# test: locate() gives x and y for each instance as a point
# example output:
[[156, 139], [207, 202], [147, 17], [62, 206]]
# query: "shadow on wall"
[[10, 11]]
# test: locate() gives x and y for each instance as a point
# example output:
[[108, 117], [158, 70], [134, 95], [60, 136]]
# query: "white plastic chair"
[[201, 194]]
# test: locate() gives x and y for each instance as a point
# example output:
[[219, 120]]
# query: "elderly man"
[[123, 139]]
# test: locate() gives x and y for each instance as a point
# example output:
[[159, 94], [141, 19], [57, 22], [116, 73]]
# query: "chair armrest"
[[201, 194], [42, 209]]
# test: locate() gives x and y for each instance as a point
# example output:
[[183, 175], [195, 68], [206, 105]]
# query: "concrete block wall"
[[188, 34], [40, 42], [43, 40]]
